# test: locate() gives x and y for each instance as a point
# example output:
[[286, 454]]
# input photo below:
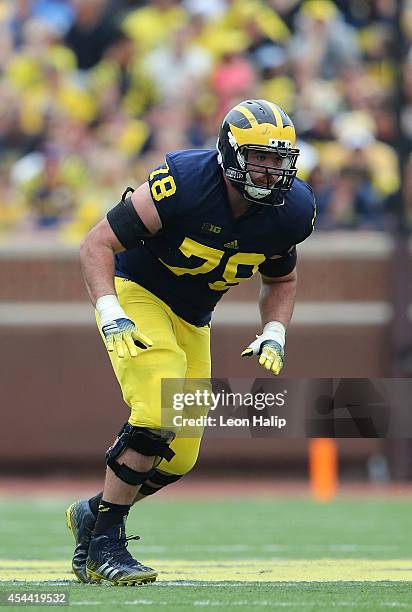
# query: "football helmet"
[[249, 129]]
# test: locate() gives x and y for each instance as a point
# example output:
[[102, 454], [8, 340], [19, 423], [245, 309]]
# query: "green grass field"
[[231, 554]]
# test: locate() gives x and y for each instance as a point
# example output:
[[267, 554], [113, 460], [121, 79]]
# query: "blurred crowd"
[[94, 92]]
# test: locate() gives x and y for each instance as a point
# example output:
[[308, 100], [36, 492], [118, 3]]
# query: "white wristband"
[[274, 330], [109, 309]]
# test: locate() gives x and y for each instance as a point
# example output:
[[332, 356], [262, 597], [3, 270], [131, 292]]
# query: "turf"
[[270, 553]]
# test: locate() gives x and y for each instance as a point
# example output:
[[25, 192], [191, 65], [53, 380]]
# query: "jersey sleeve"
[[163, 183], [309, 218], [280, 265]]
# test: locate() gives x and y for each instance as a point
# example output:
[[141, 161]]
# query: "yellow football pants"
[[180, 351]]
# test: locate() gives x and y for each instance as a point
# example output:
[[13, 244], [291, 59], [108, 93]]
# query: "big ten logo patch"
[[211, 229]]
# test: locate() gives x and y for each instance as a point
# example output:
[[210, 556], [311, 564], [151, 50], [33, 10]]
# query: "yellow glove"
[[269, 347], [121, 332], [118, 330]]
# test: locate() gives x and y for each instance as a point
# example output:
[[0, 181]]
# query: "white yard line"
[[285, 604]]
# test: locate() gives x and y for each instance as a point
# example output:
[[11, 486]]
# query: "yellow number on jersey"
[[191, 248], [212, 258], [163, 187], [229, 274]]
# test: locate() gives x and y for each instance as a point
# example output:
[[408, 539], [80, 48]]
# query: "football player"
[[155, 268]]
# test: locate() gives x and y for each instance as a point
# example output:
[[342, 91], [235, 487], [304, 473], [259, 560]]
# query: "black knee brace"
[[145, 441], [157, 481]]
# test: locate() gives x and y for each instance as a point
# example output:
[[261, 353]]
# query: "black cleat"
[[81, 521], [110, 560]]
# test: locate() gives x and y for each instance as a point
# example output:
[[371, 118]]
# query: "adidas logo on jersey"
[[232, 245]]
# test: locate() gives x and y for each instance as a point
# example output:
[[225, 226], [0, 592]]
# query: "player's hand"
[[121, 334], [269, 347]]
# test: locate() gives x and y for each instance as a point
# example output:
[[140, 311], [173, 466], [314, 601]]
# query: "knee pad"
[[157, 481], [145, 441]]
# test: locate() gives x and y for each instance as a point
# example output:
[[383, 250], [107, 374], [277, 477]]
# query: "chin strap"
[[277, 199], [257, 192]]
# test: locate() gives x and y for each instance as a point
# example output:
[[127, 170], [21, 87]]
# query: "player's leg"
[[195, 342], [186, 453], [130, 459], [127, 469], [108, 557]]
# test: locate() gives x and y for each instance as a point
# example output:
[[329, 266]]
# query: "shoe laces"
[[119, 547]]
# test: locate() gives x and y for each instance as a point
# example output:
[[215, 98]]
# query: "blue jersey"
[[202, 249]]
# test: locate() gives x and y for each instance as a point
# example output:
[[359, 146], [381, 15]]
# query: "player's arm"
[[126, 224], [277, 298], [276, 302]]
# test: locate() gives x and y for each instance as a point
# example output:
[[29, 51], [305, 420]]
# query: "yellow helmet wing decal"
[[262, 133]]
